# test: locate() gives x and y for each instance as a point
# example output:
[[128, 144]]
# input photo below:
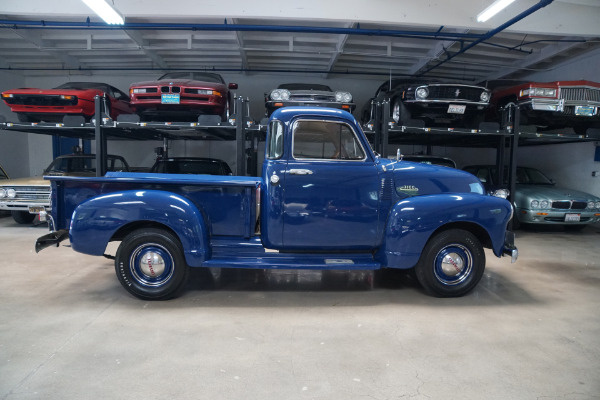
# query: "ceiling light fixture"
[[105, 11], [492, 10]]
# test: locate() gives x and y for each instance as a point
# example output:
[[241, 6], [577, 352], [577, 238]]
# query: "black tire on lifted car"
[[150, 264], [22, 217], [452, 263]]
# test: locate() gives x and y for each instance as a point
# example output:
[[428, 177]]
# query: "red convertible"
[[71, 98], [554, 105], [182, 96]]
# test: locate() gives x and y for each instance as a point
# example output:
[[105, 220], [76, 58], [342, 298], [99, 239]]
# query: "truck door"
[[330, 191]]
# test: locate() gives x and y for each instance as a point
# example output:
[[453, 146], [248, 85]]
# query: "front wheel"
[[451, 264], [150, 264]]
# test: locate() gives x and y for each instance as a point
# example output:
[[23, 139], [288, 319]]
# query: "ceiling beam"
[[142, 43]]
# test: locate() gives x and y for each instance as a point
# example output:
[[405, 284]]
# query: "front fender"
[[412, 221], [95, 221]]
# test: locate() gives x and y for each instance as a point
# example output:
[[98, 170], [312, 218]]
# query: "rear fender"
[[95, 221], [413, 221]]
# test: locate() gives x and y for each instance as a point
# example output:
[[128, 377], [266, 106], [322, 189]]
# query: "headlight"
[[502, 193], [11, 193], [2, 193], [598, 204], [280, 94], [539, 92], [422, 93], [544, 204], [343, 97], [485, 96], [138, 90], [535, 204]]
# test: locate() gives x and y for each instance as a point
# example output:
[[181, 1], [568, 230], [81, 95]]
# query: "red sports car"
[[554, 105], [71, 98], [182, 96]]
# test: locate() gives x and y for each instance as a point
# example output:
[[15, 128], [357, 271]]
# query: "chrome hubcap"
[[151, 264], [453, 264]]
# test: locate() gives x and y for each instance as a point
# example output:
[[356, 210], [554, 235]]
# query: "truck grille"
[[580, 93], [569, 205]]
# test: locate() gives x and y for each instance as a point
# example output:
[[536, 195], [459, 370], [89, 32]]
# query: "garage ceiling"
[[374, 40]]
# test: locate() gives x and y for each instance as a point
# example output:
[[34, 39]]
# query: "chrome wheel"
[[151, 264]]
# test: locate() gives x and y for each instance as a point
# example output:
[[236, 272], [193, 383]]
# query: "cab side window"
[[325, 140], [275, 143]]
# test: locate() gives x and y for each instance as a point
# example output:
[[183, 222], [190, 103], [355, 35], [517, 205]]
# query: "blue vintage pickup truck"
[[325, 201]]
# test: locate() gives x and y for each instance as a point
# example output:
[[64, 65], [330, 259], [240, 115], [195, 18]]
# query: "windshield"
[[83, 86], [531, 176], [305, 86], [196, 76], [82, 164]]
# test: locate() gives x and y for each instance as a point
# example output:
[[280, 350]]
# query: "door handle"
[[300, 172]]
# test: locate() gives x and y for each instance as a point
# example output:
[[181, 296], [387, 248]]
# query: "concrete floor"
[[531, 330]]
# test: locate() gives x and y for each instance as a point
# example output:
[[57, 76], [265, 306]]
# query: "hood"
[[30, 181], [547, 192], [417, 179]]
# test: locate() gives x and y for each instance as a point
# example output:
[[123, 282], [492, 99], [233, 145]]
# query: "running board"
[[296, 261]]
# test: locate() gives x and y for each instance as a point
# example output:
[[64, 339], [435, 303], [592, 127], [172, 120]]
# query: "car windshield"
[[305, 86], [196, 76], [199, 167], [531, 176], [83, 86], [69, 165]]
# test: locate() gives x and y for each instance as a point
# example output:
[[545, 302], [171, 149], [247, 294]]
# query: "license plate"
[[168, 98], [36, 210], [572, 217], [456, 109], [586, 111]]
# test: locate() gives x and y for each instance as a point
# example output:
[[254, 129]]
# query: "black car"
[[436, 104], [191, 165], [307, 94]]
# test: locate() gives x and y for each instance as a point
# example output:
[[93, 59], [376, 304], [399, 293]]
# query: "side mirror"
[[233, 86], [399, 155]]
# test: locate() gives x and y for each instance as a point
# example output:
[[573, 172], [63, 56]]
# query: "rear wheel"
[[22, 217], [451, 264], [150, 264]]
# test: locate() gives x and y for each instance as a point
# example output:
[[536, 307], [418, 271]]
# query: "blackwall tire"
[[452, 263], [22, 217], [150, 264]]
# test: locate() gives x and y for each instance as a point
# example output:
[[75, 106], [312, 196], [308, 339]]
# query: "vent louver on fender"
[[385, 191]]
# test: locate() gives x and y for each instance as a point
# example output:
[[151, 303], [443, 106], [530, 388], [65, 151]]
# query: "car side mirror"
[[233, 86]]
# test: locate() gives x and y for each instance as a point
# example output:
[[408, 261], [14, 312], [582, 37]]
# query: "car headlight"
[[138, 90], [422, 93], [485, 96], [343, 97], [598, 204], [11, 193], [544, 204], [539, 92], [2, 193], [280, 94], [502, 193], [535, 204]]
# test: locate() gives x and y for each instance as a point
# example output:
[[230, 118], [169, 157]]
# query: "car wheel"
[[451, 264], [150, 264], [400, 113], [22, 217]]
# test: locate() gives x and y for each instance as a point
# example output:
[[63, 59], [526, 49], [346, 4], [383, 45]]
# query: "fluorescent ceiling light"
[[105, 11], [492, 10]]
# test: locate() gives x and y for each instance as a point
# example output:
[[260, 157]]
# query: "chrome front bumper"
[[509, 247]]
